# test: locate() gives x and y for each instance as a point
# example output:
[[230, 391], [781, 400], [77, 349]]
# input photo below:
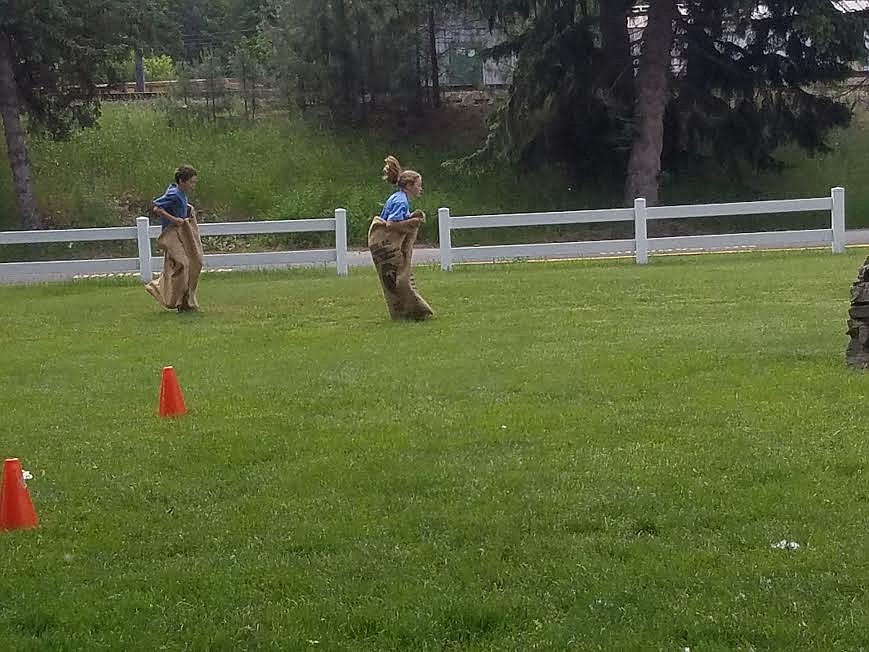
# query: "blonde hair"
[[393, 173]]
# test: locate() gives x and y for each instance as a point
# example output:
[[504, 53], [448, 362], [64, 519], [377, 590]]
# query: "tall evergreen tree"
[[756, 76], [572, 92], [746, 78]]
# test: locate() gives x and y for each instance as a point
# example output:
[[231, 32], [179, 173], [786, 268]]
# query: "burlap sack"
[[182, 264], [391, 247]]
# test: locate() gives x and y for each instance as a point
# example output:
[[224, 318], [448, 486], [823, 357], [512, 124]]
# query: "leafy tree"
[[351, 54], [52, 54], [249, 63], [213, 25]]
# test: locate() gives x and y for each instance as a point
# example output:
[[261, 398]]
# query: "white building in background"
[[460, 44]]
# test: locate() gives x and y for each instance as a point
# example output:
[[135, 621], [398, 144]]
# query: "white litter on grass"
[[503, 427], [784, 544], [26, 475], [79, 277]]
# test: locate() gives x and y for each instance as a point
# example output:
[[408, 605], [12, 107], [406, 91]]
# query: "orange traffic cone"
[[171, 398], [16, 508]]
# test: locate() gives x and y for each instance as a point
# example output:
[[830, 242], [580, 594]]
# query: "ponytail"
[[391, 170], [393, 173]]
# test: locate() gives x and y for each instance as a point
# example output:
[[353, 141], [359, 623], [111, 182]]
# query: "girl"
[[409, 183], [390, 240]]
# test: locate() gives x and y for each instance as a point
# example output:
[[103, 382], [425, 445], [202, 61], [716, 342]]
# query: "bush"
[[159, 68]]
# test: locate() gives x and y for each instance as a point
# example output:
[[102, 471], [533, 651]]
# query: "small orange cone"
[[171, 399], [16, 508]]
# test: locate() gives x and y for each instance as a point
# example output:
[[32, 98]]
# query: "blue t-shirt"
[[397, 208], [174, 202]]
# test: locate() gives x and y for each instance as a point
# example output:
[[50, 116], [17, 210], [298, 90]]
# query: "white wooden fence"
[[145, 264], [640, 246]]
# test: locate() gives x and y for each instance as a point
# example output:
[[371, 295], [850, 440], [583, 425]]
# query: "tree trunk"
[[344, 54], [16, 145], [433, 54], [253, 93], [653, 95], [417, 87], [367, 67], [244, 85], [140, 72]]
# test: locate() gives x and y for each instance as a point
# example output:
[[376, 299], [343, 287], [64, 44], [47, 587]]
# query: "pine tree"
[[746, 78]]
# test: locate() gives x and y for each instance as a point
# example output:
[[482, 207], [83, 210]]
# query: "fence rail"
[[145, 264], [640, 246]]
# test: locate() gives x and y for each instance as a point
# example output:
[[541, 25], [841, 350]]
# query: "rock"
[[857, 352]]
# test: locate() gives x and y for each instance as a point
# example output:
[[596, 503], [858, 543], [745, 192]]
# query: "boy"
[[179, 241]]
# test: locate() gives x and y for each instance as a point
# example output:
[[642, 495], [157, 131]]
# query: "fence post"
[[445, 241], [341, 241], [144, 242], [641, 240], [838, 217]]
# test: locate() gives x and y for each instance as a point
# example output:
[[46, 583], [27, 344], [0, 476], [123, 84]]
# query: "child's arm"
[[409, 224], [161, 212], [414, 219]]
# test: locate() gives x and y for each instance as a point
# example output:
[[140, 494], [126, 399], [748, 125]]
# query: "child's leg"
[[171, 287], [193, 250]]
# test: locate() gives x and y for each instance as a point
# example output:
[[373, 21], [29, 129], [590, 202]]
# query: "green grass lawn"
[[571, 456]]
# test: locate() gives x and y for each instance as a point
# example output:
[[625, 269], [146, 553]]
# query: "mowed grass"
[[571, 456]]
